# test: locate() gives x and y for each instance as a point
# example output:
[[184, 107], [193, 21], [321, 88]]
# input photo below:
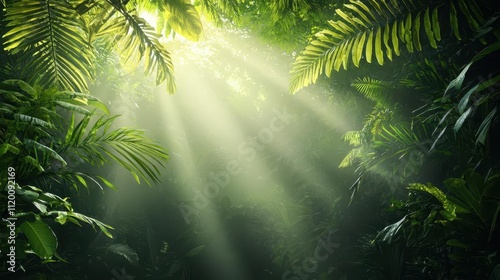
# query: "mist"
[[249, 140], [243, 153]]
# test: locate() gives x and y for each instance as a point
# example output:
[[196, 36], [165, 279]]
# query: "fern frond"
[[372, 89]]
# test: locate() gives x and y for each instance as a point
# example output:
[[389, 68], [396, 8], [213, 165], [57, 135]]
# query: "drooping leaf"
[[379, 54], [125, 251], [462, 119], [390, 232], [465, 99], [45, 150], [89, 220], [482, 132], [182, 16], [42, 239], [140, 40]]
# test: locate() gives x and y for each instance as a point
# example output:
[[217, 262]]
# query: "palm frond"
[[183, 18], [376, 29], [47, 36], [351, 157], [353, 137], [220, 10], [374, 90], [138, 39], [128, 147], [279, 7]]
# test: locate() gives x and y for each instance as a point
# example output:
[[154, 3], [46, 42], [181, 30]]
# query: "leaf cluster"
[[380, 29]]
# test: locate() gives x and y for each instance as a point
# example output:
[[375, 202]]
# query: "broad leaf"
[[182, 16], [42, 239]]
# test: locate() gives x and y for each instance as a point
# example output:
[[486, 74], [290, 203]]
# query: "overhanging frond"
[[183, 18], [47, 35], [138, 38], [375, 29], [218, 10]]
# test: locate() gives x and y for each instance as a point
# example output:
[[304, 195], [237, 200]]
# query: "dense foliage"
[[417, 193]]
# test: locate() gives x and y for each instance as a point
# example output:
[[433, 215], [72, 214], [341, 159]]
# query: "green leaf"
[[460, 190], [359, 13], [387, 37], [369, 48], [107, 183], [73, 107], [462, 119], [390, 232], [360, 20], [99, 105], [142, 39], [458, 81], [428, 28], [482, 132], [45, 150], [182, 16], [23, 85], [89, 220], [438, 194], [125, 251], [379, 54], [52, 43], [395, 39], [435, 24], [407, 33], [465, 99], [454, 21], [358, 49], [6, 147], [32, 120], [416, 33], [33, 162], [42, 239], [61, 218], [27, 195], [69, 133]]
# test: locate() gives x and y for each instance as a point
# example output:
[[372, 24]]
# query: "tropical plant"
[[287, 24], [55, 42], [379, 29], [47, 137], [449, 231], [38, 140], [476, 95], [389, 144], [34, 210]]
